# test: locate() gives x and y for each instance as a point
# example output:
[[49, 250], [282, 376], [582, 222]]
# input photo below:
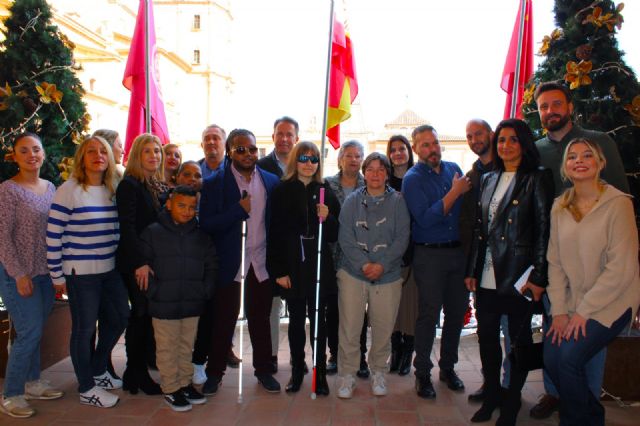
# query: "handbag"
[[527, 357]]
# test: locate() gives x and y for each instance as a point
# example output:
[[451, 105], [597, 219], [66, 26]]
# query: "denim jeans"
[[506, 364], [566, 365], [28, 316], [594, 368], [95, 297]]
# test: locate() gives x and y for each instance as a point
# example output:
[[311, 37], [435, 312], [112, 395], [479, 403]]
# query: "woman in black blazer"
[[139, 198], [511, 235]]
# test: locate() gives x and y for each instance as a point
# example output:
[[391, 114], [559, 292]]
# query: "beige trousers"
[[353, 297], [174, 345]]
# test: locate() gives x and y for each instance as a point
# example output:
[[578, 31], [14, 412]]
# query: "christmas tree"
[[583, 52], [39, 91]]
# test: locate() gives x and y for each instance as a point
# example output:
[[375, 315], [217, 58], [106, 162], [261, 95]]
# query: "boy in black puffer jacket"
[[180, 273]]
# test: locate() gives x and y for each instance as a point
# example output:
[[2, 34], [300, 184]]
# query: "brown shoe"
[[545, 407], [232, 360]]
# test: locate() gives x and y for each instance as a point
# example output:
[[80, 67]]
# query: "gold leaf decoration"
[[49, 93], [634, 109], [578, 74]]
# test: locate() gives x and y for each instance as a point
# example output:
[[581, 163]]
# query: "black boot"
[[129, 381], [363, 372], [322, 387], [297, 375], [489, 404], [407, 355], [396, 351], [509, 409]]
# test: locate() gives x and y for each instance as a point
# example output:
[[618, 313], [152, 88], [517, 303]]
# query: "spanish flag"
[[343, 86]]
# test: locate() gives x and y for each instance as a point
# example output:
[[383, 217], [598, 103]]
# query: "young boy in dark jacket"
[[179, 278]]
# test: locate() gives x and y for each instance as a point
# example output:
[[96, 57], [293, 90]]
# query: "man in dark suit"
[[239, 192], [285, 135]]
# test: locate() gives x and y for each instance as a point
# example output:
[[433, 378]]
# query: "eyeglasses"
[[304, 158], [243, 150]]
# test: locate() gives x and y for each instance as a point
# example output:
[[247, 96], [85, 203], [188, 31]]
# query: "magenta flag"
[[526, 61], [134, 80]]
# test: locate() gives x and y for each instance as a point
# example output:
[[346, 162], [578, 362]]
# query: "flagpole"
[[516, 77], [326, 88], [147, 60]]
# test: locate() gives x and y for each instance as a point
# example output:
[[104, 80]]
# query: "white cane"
[[315, 327], [242, 317]]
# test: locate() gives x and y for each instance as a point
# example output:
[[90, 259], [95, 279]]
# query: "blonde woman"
[[139, 197], [25, 285], [82, 238], [113, 139], [594, 286]]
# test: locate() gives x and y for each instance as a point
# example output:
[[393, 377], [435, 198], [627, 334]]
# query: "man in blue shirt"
[[213, 141], [433, 191]]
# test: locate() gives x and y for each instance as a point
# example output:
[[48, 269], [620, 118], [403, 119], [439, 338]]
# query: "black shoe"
[[211, 386], [148, 385], [424, 387], [485, 412], [405, 363], [274, 364], [177, 401], [297, 375], [232, 360], [509, 410], [322, 387], [129, 381], [451, 379], [477, 396], [192, 395], [363, 372], [332, 365], [545, 407], [269, 384]]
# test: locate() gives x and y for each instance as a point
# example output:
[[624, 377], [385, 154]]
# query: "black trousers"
[[139, 341], [489, 308], [299, 310]]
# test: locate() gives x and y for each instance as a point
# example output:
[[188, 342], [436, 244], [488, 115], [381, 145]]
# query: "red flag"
[[134, 80], [526, 61], [343, 85]]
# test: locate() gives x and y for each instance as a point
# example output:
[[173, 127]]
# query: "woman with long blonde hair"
[[82, 238], [140, 197], [594, 287]]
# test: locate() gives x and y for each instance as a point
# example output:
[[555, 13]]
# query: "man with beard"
[[213, 140], [239, 192], [433, 191], [555, 109]]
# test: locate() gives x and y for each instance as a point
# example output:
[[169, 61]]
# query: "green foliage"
[[600, 104], [35, 52]]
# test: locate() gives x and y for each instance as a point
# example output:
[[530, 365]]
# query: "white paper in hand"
[[522, 281]]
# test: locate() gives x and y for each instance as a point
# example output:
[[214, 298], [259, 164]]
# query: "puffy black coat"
[[519, 234], [294, 213], [185, 264]]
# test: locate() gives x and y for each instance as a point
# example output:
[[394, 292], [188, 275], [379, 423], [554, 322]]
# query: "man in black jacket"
[[180, 272], [285, 135]]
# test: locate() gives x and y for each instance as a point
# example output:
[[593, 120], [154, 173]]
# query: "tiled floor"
[[400, 407]]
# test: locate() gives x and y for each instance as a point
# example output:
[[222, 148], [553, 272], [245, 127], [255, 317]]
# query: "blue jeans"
[[95, 297], [566, 365], [506, 364], [594, 368], [28, 315]]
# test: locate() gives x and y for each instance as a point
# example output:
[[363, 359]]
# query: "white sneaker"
[[107, 381], [199, 375], [98, 397], [16, 406], [41, 389], [378, 384], [347, 385]]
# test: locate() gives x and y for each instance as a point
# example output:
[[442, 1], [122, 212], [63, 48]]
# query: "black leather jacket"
[[519, 234]]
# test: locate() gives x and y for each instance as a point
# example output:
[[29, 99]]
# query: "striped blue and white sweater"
[[82, 231]]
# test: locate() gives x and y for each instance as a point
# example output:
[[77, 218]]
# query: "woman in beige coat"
[[594, 285]]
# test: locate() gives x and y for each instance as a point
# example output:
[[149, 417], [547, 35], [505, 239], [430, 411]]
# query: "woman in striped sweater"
[[82, 238]]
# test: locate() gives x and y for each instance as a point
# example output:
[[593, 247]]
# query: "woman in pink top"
[[25, 286]]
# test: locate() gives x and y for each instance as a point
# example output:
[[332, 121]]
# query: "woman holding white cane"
[[297, 211]]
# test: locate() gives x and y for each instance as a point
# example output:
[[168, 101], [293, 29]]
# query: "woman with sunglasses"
[[292, 257]]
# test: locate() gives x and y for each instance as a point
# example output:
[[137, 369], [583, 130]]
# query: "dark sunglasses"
[[243, 150], [304, 158]]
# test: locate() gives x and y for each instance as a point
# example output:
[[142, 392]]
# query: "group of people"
[[155, 251]]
